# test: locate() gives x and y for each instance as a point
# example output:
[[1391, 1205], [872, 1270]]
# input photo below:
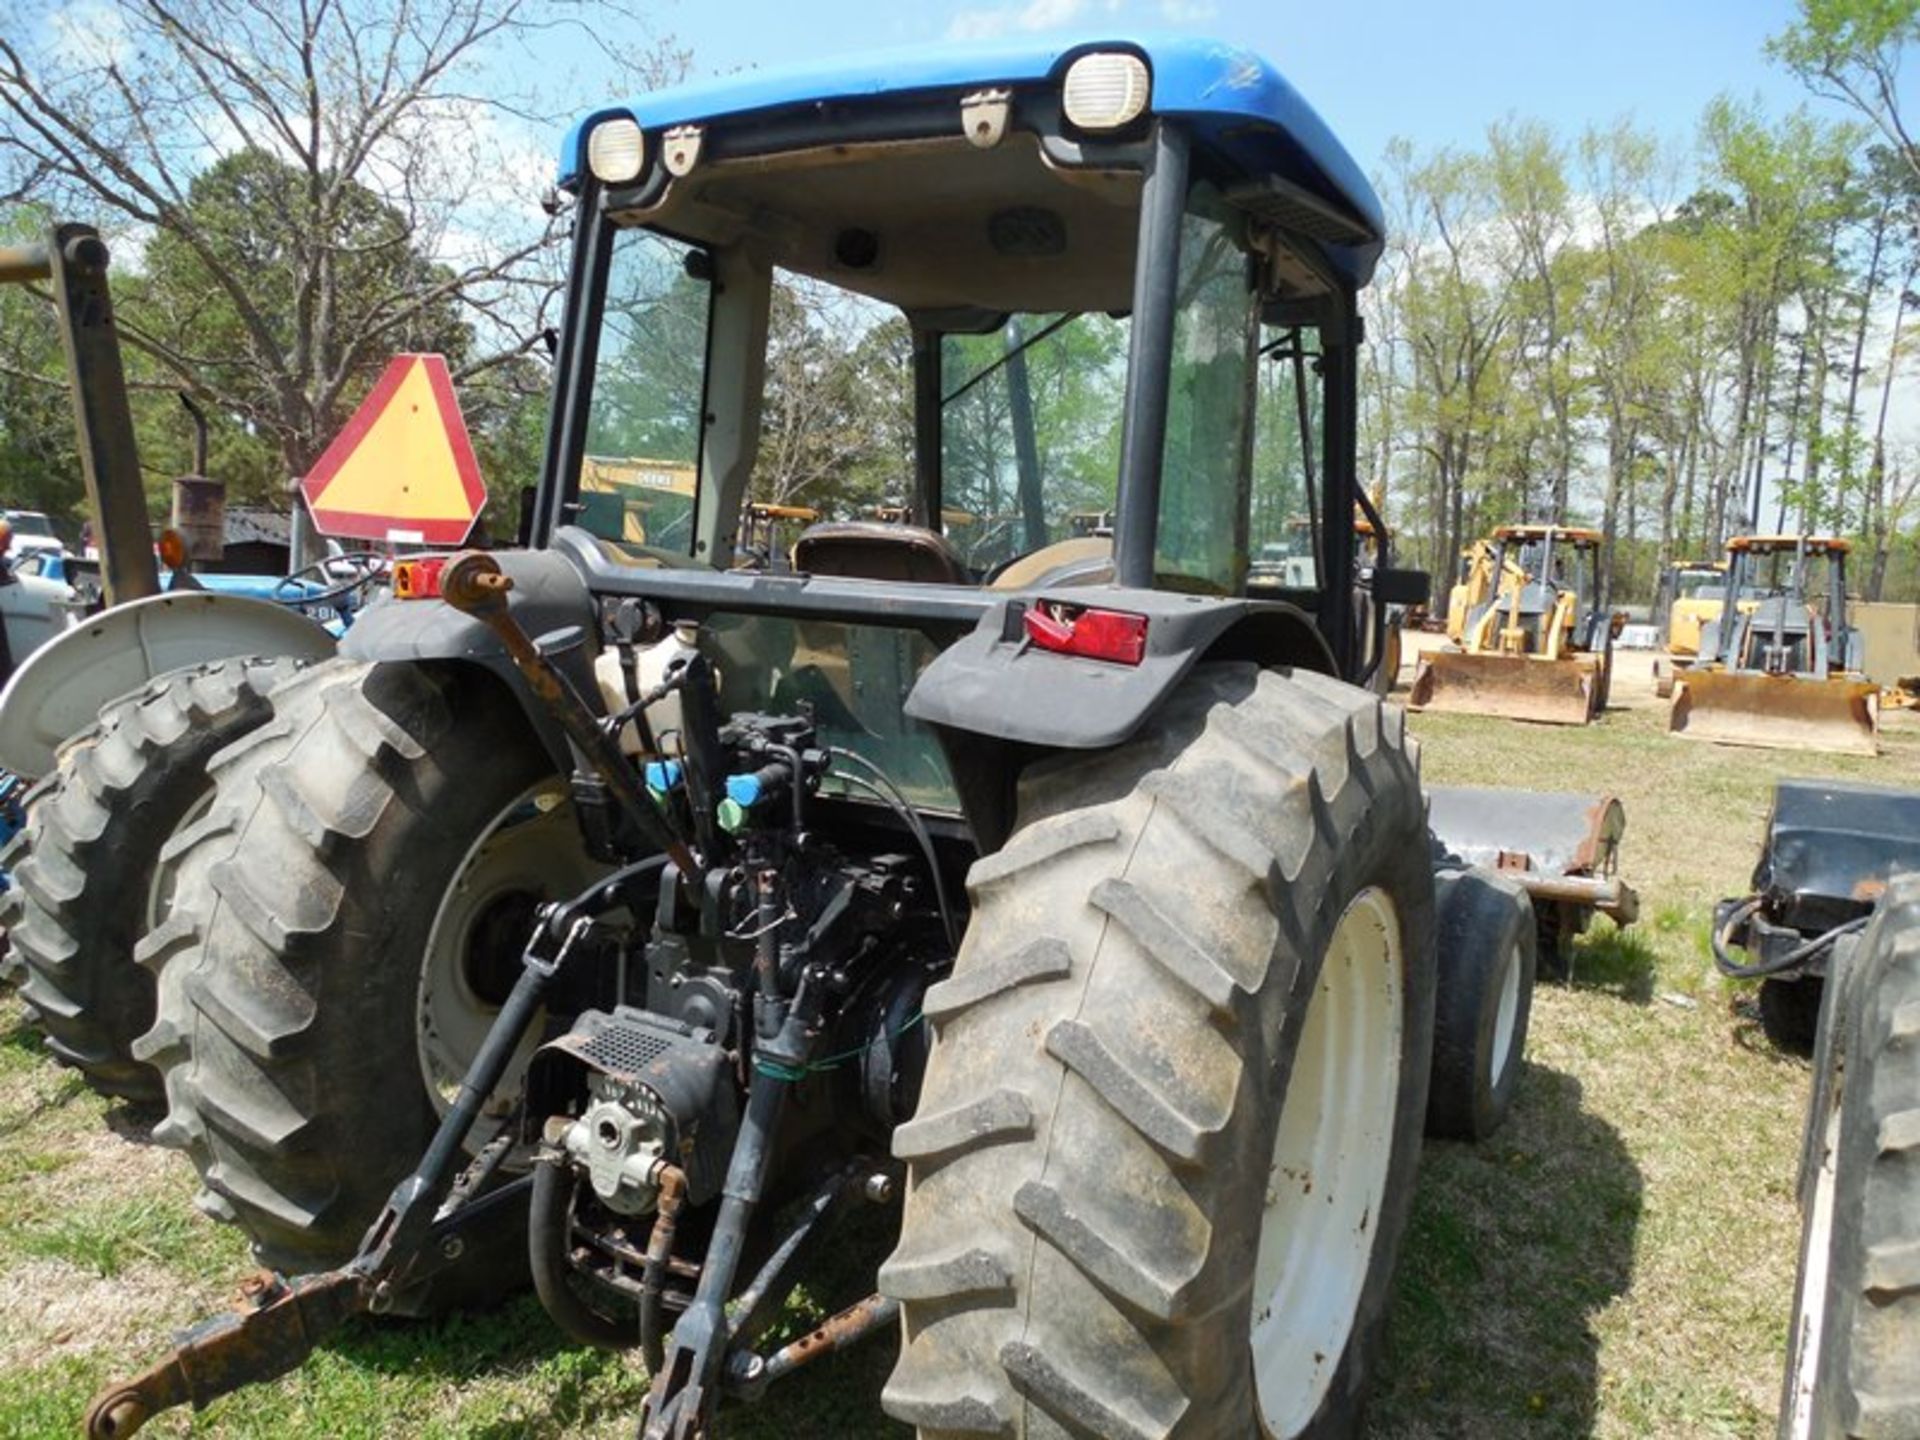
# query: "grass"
[[1617, 1262]]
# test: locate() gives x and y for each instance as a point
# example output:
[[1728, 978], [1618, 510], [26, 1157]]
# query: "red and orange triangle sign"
[[403, 469]]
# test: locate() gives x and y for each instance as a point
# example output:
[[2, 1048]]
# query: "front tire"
[[1166, 1144], [88, 880], [297, 975]]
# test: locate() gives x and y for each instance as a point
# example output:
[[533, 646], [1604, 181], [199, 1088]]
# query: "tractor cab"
[[1109, 280], [1792, 613], [1552, 599]]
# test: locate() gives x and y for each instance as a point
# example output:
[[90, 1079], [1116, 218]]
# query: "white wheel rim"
[[1504, 1022], [532, 846], [1803, 1361], [165, 875], [1331, 1154]]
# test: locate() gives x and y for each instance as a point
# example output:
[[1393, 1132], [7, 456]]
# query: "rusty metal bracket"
[[284, 1320], [474, 584]]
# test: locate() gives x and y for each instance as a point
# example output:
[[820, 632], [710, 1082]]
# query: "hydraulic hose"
[[547, 1224], [1780, 964], [653, 1277]]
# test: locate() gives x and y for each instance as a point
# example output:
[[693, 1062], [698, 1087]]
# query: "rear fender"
[[994, 683], [549, 599], [59, 689], [997, 703]]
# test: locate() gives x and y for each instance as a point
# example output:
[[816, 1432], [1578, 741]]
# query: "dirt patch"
[[54, 1309]]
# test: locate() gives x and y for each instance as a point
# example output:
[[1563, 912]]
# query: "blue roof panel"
[[1220, 88]]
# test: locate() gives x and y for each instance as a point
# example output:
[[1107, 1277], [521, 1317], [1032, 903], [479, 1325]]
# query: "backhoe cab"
[[1012, 848]]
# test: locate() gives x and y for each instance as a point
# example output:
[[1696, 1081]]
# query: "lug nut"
[[879, 1188]]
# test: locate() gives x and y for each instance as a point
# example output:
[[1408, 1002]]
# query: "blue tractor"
[[1071, 898]]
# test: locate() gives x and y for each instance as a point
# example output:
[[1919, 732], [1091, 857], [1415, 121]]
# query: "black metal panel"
[[695, 592], [1831, 848]]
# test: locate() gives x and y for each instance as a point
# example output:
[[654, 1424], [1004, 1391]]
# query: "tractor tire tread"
[[82, 865], [1130, 1038]]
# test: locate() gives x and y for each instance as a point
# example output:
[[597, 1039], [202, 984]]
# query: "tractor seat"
[[877, 550]]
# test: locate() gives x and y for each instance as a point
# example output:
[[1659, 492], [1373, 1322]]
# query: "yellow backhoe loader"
[[1538, 649], [1699, 589], [1784, 674]]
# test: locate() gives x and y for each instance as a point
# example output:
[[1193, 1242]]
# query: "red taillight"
[[1097, 634], [419, 579]]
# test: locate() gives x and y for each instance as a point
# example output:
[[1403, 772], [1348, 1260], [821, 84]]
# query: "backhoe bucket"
[[1777, 712], [1519, 687]]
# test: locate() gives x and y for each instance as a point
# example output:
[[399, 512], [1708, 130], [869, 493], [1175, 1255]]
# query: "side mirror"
[[1402, 587]]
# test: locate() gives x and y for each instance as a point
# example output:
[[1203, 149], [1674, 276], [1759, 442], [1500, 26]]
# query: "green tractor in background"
[[651, 912]]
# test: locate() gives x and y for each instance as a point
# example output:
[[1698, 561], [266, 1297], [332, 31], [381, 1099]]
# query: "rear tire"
[[1487, 959], [1203, 958], [1856, 1324], [292, 981], [88, 879]]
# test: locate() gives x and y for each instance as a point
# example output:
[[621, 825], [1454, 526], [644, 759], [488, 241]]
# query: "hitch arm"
[[288, 1318]]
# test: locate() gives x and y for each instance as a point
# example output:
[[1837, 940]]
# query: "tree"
[[1851, 51], [321, 183]]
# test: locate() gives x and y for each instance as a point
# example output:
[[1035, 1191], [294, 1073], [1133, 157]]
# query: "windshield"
[[27, 522], [1030, 433], [640, 473]]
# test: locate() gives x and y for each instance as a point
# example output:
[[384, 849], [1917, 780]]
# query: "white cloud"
[[1188, 12], [1035, 15]]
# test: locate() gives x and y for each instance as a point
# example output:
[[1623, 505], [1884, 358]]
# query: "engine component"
[[628, 1091], [620, 1143]]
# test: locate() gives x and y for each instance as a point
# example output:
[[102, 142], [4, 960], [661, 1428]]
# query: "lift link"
[[474, 584], [288, 1318]]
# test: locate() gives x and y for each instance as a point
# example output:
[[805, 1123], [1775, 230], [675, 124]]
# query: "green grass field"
[[1618, 1262]]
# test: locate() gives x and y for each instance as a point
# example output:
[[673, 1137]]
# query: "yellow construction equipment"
[[1475, 585], [1539, 648], [767, 533], [645, 502], [1784, 673], [1699, 589]]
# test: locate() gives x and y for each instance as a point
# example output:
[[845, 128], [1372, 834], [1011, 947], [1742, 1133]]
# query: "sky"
[[1436, 71]]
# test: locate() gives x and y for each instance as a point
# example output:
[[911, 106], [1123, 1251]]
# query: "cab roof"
[[1573, 533], [1765, 544], [1239, 107]]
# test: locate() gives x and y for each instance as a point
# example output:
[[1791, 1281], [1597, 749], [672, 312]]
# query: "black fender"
[[997, 702], [994, 683], [549, 599]]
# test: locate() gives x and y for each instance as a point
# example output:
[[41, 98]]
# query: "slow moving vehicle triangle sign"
[[403, 469]]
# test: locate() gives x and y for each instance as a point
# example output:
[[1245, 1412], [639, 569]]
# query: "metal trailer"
[[1562, 849]]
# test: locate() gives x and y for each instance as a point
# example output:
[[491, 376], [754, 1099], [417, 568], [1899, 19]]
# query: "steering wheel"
[[372, 564]]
